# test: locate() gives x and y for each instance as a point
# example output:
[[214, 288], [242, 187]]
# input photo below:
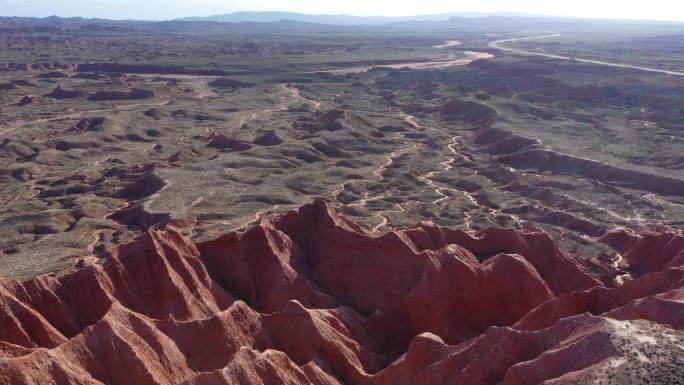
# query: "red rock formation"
[[559, 271], [313, 298], [655, 251], [600, 300]]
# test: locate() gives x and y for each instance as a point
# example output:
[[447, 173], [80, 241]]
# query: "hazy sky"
[[166, 9]]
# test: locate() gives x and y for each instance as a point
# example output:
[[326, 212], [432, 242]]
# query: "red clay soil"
[[312, 298]]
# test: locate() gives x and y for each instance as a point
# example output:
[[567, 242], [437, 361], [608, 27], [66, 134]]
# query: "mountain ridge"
[[341, 19]]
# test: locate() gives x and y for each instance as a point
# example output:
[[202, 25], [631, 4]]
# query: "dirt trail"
[[447, 165], [391, 158], [294, 92]]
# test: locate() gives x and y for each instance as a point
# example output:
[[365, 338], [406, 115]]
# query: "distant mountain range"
[[285, 22], [267, 17]]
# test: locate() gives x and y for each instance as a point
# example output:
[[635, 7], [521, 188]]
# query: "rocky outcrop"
[[154, 113], [221, 141], [140, 182], [60, 94], [311, 297], [134, 94], [547, 160], [87, 124], [269, 138], [91, 76], [473, 113], [28, 99], [526, 153], [52, 75]]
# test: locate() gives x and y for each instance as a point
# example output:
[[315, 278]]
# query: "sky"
[[169, 9]]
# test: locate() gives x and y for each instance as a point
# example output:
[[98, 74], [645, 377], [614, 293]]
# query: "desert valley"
[[482, 200]]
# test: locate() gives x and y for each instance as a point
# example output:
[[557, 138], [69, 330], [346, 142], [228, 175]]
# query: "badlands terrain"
[[292, 203]]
